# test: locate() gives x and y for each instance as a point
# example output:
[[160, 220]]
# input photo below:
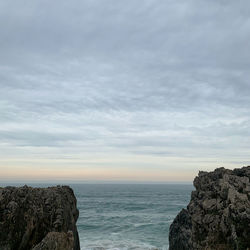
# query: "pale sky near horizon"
[[135, 90]]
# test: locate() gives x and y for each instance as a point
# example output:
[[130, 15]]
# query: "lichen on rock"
[[218, 215]]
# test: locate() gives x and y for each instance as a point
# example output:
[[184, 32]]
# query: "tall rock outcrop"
[[218, 215], [38, 218]]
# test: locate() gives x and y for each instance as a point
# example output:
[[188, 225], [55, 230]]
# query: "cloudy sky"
[[135, 90]]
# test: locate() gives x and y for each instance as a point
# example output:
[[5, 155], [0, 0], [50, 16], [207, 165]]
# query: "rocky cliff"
[[218, 215], [38, 218]]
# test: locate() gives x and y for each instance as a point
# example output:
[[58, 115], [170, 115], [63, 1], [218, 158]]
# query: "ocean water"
[[128, 216]]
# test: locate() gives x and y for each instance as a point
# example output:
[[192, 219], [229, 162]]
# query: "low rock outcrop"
[[218, 215], [38, 218]]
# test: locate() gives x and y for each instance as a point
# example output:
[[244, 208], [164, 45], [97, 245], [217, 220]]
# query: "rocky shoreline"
[[38, 218], [218, 215]]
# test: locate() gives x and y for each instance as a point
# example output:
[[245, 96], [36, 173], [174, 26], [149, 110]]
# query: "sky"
[[112, 90]]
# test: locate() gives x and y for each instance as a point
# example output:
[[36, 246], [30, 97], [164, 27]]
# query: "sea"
[[126, 216]]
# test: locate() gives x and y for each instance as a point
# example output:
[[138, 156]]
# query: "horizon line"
[[67, 182]]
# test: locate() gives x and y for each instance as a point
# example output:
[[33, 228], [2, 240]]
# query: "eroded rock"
[[38, 218], [218, 215]]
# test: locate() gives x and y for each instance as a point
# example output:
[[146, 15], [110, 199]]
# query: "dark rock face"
[[180, 233], [218, 215], [38, 218]]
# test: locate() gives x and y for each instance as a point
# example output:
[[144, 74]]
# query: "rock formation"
[[38, 218], [218, 215]]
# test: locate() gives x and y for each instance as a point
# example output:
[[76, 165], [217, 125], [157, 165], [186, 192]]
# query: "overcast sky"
[[148, 90]]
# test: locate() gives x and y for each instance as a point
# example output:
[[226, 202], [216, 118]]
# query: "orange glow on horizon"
[[95, 174]]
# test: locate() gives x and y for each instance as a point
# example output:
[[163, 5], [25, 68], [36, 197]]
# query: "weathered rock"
[[38, 218], [218, 215], [56, 241], [180, 231]]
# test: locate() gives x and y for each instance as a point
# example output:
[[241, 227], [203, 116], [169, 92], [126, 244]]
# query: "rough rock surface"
[[218, 215], [56, 241], [38, 218]]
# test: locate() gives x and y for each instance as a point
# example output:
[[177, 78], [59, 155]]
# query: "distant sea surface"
[[128, 216]]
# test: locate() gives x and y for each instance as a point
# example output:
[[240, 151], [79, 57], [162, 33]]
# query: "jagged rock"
[[218, 215], [38, 218]]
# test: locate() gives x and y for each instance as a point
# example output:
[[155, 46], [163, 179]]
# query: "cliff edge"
[[38, 218], [218, 215]]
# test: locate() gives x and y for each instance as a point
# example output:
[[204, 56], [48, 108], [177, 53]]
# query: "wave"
[[118, 245]]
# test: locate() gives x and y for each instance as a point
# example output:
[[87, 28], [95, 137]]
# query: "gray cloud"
[[144, 77]]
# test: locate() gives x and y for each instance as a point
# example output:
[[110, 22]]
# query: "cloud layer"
[[112, 87]]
